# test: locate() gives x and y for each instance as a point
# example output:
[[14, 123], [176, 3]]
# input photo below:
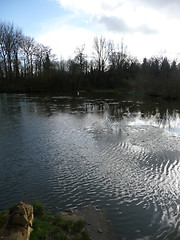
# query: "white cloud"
[[118, 25], [65, 40], [144, 25], [115, 7], [90, 7], [163, 4]]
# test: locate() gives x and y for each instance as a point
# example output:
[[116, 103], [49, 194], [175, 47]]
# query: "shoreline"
[[97, 224], [16, 223]]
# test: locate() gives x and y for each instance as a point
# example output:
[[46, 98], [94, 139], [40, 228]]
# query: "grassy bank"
[[52, 227], [46, 226]]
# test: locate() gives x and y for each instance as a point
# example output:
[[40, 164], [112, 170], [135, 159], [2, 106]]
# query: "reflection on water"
[[120, 155], [167, 121]]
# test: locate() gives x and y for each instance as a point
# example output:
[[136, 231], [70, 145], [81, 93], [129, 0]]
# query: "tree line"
[[28, 66]]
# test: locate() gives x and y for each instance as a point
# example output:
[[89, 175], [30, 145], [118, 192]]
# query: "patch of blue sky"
[[31, 16]]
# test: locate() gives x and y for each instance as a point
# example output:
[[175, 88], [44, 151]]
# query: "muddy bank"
[[98, 226]]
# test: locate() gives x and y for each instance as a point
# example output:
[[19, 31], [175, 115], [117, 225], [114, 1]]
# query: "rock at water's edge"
[[18, 225]]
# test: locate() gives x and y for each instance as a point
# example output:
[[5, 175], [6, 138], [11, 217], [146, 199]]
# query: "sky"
[[147, 27]]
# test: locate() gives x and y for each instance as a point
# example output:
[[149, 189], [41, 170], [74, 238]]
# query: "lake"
[[117, 153]]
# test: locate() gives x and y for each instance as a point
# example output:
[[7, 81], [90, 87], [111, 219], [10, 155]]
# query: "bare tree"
[[118, 56], [101, 53], [10, 40], [80, 59], [42, 53], [28, 50], [3, 53]]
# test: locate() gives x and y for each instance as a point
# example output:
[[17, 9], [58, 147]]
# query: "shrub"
[[38, 209]]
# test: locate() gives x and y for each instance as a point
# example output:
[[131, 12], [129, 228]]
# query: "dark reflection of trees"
[[162, 112], [115, 108]]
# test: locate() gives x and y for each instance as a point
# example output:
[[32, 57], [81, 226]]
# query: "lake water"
[[118, 154]]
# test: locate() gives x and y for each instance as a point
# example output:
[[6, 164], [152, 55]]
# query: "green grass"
[[3, 215], [38, 209], [54, 227], [3, 212]]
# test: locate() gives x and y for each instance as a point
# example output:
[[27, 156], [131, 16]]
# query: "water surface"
[[121, 155]]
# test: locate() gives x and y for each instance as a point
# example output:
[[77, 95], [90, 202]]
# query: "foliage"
[[51, 227], [38, 209], [27, 66], [3, 215]]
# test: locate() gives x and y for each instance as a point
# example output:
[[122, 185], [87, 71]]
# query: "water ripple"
[[128, 165]]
